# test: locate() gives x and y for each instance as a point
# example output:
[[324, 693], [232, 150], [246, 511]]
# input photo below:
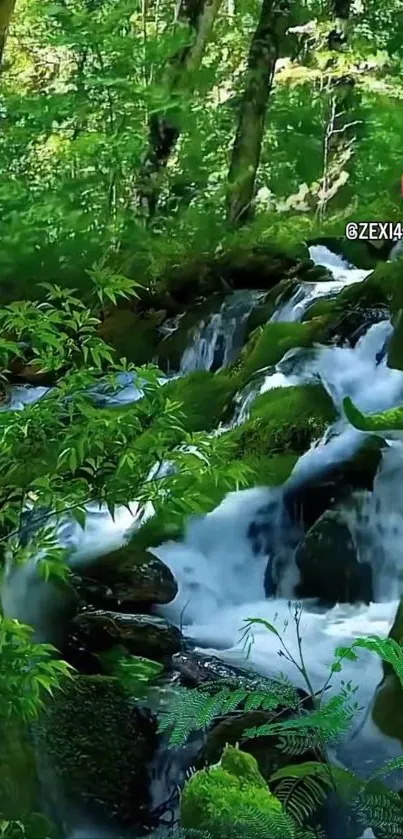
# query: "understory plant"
[[302, 724]]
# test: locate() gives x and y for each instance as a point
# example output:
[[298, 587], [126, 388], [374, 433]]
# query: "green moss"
[[382, 287], [133, 337], [284, 420], [322, 309], [205, 397], [18, 777], [269, 471], [229, 799], [98, 745], [274, 340]]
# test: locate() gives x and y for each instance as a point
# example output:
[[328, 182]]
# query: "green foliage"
[[27, 672], [134, 673], [391, 420], [232, 799], [191, 710], [301, 788]]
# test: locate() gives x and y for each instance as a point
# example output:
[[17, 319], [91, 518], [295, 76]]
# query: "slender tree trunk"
[[264, 51], [340, 134], [165, 127], [6, 11]]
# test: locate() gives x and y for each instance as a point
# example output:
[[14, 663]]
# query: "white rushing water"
[[221, 565], [216, 341]]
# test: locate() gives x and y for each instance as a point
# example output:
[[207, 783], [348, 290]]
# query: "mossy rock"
[[205, 398], [269, 470], [284, 420], [230, 799], [133, 336], [387, 711], [384, 286], [98, 745], [19, 788], [275, 339]]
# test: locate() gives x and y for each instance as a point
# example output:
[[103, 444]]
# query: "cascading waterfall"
[[216, 342], [221, 566]]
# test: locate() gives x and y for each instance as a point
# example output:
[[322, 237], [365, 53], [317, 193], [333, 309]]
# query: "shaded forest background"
[[140, 133]]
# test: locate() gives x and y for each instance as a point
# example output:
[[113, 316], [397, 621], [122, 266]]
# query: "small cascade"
[[225, 565], [306, 293], [215, 343]]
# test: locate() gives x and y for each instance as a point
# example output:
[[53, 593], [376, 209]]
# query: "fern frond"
[[387, 768], [383, 812], [301, 796], [195, 710], [331, 721]]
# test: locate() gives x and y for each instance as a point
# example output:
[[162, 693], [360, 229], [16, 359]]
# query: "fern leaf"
[[301, 796]]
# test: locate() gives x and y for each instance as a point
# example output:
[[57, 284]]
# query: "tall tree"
[[340, 133], [164, 127], [6, 10], [265, 49]]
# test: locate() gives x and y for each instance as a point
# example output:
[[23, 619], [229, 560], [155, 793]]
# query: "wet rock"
[[122, 584], [306, 502], [328, 564], [96, 745], [351, 324], [196, 670], [146, 635]]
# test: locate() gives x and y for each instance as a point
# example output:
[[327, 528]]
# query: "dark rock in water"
[[328, 564], [95, 746], [145, 635], [198, 670], [306, 502], [354, 322], [117, 585]]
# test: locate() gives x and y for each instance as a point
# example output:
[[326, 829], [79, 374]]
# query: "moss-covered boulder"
[[283, 420], [205, 398], [231, 799], [143, 635], [98, 745], [328, 564], [125, 579], [133, 336], [19, 787], [267, 346]]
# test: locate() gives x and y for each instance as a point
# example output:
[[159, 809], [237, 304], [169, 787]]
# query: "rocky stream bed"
[[260, 350]]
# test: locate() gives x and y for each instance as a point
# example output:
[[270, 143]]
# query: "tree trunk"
[[340, 134], [164, 128], [264, 51], [6, 10]]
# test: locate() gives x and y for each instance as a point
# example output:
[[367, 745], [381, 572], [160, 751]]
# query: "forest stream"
[[239, 561]]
